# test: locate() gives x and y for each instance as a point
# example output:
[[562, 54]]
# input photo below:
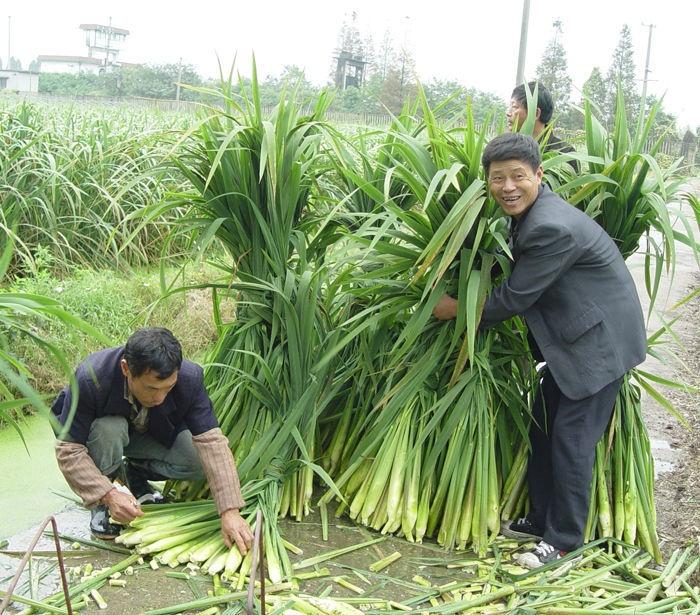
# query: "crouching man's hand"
[[123, 507], [235, 529]]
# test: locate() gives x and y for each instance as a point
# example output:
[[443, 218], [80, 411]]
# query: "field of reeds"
[[74, 178], [332, 380]]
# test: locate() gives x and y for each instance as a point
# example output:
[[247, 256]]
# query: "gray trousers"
[[110, 439]]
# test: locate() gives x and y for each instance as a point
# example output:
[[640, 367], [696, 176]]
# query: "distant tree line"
[[378, 96], [389, 81], [147, 81]]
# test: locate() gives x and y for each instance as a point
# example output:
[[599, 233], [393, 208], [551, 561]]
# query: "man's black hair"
[[512, 146], [544, 99], [153, 348]]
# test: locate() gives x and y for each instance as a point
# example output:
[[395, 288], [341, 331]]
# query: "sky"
[[473, 43]]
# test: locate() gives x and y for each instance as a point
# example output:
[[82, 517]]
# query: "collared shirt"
[[139, 415]]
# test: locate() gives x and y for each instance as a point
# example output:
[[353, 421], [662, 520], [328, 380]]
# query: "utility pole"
[[9, 21], [403, 50], [520, 76], [647, 70], [109, 36], [179, 79]]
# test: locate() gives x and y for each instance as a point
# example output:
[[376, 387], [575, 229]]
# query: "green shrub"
[[116, 304]]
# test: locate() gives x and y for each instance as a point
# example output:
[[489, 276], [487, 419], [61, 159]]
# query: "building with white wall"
[[19, 80], [70, 64], [103, 46]]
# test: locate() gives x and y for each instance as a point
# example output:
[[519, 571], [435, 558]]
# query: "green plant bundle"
[[334, 365], [425, 459], [271, 374], [190, 532], [639, 204]]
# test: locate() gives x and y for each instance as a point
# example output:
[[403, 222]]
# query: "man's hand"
[[446, 308], [235, 530], [123, 507]]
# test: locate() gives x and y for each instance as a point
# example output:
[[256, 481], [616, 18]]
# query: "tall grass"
[[336, 250], [71, 179], [20, 313]]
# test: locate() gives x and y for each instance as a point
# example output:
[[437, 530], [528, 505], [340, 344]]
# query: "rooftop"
[[96, 26], [81, 59]]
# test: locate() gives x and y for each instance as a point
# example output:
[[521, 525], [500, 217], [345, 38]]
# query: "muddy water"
[[29, 477]]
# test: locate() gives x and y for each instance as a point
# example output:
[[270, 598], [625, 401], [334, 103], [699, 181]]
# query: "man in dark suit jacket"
[[571, 285], [517, 112], [143, 407]]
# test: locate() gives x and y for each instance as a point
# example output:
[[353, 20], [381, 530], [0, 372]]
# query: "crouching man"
[[143, 407]]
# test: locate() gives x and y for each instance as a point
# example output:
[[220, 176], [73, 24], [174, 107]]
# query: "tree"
[[386, 58], [664, 122], [594, 89], [34, 66], [398, 87], [369, 57], [14, 64], [552, 71], [153, 81], [453, 98], [622, 70], [292, 78], [68, 84]]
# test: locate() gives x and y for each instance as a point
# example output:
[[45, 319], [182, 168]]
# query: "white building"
[[19, 80], [103, 46], [104, 42], [70, 64]]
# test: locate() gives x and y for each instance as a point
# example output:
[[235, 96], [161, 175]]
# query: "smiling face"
[[148, 389], [514, 185]]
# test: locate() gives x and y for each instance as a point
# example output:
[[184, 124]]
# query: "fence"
[[185, 106]]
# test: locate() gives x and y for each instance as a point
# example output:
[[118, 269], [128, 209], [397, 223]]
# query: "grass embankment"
[[115, 303]]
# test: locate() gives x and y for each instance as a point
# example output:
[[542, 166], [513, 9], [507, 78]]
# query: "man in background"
[[517, 111]]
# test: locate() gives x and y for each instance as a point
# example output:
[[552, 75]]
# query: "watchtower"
[[104, 42], [349, 71]]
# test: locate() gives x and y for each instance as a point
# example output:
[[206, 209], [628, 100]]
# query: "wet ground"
[[31, 485], [150, 589]]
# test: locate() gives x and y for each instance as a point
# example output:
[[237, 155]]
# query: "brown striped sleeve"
[[219, 468], [81, 473]]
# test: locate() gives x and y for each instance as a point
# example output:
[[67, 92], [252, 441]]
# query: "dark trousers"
[[563, 435]]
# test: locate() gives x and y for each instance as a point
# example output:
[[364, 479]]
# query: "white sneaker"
[[544, 554]]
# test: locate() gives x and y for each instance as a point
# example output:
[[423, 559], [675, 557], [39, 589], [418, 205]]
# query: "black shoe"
[[101, 526], [522, 529], [544, 554], [141, 489]]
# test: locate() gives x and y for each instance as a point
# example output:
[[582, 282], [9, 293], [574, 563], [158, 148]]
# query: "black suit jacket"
[[572, 286]]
